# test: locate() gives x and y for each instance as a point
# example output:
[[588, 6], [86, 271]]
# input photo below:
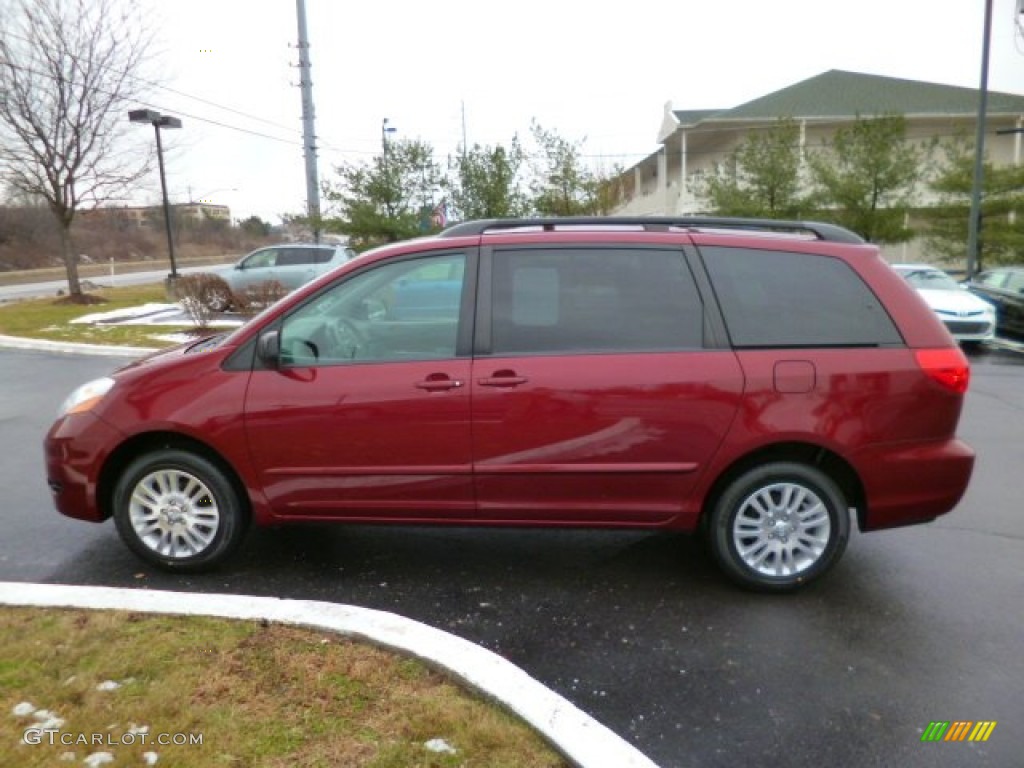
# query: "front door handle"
[[438, 382]]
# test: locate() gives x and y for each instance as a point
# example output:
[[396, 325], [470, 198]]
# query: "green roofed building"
[[694, 140]]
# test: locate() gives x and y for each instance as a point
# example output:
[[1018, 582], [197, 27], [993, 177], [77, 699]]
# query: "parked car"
[[968, 318], [290, 265], [752, 380], [1003, 287]]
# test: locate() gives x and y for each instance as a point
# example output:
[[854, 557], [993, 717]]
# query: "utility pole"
[[974, 224], [308, 133], [464, 147], [385, 129]]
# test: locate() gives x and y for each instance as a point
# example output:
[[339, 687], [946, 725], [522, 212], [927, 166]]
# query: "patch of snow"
[[175, 338], [50, 724], [151, 314], [108, 685], [135, 730], [440, 745], [67, 757], [99, 758], [150, 757], [24, 709], [129, 313]]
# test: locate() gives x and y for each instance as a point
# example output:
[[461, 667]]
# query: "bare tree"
[[68, 71]]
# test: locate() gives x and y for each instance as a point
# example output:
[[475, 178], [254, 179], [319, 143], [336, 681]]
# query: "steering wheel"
[[344, 338]]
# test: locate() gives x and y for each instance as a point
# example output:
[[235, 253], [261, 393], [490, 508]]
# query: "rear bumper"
[[906, 485], [76, 447]]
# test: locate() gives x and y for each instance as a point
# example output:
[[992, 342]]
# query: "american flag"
[[439, 216]]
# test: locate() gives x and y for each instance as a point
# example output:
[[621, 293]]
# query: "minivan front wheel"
[[778, 526], [178, 511]]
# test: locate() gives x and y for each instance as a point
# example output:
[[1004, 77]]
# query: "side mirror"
[[268, 348]]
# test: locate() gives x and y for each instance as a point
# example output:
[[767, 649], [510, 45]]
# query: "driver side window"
[[401, 311], [265, 258]]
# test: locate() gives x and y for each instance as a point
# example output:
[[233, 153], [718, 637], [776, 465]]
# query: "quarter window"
[[782, 299], [578, 300]]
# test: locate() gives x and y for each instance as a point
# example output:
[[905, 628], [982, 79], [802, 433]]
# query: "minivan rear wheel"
[[778, 526], [178, 511]]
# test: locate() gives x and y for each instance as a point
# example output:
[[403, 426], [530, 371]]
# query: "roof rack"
[[820, 230]]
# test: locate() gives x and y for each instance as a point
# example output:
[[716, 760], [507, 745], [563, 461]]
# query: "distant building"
[[201, 212], [694, 141], [182, 213]]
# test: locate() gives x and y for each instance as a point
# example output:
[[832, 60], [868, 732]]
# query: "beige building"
[[694, 141], [181, 213], [201, 212]]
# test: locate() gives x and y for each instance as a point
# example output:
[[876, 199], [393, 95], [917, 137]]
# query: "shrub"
[[201, 295], [251, 301]]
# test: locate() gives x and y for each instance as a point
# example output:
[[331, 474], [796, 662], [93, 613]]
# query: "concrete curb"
[[579, 737], [73, 348]]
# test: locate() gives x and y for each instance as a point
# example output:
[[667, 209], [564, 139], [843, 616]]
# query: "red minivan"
[[757, 381]]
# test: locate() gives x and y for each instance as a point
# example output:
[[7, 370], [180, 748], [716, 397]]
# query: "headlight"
[[86, 396]]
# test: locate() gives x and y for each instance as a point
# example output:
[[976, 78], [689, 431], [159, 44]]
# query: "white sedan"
[[970, 319]]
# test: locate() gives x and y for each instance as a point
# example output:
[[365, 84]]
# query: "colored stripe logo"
[[958, 730]]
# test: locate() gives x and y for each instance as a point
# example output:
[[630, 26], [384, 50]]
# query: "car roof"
[[814, 230]]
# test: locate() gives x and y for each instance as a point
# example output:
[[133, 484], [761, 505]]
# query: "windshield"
[[930, 279]]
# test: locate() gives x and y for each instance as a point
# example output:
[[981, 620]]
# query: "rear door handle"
[[502, 379]]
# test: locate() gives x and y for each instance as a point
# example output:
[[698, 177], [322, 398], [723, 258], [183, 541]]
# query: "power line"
[[329, 146], [198, 118]]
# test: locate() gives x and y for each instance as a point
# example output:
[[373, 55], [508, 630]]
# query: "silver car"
[[291, 265]]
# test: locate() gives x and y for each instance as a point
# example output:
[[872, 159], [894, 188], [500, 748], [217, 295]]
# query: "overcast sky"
[[582, 70]]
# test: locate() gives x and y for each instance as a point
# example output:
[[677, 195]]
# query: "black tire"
[[179, 511], [216, 295], [779, 526]]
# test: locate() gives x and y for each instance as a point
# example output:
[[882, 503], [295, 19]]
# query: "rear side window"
[[322, 255], [292, 257], [569, 300], [782, 299]]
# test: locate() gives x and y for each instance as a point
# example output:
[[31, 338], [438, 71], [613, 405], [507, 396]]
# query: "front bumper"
[[76, 448], [972, 329]]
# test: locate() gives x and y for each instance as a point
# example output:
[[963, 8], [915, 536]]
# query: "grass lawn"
[[253, 694], [51, 319]]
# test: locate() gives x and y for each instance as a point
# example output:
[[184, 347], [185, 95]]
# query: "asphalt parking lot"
[[639, 629]]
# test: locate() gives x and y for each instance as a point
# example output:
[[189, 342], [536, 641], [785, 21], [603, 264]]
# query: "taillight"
[[947, 367]]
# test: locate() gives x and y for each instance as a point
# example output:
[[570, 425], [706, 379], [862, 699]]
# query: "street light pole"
[[159, 121], [167, 205]]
